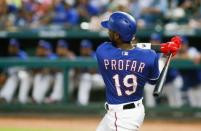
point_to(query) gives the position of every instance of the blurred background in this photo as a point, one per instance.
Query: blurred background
(48, 64)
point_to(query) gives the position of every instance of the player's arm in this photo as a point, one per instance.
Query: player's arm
(154, 71)
(155, 47)
(165, 48)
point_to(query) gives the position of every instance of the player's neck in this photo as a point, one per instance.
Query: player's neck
(125, 46)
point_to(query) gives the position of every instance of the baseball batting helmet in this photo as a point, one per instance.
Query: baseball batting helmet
(122, 23)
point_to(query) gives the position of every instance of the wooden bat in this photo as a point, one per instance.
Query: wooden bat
(161, 80)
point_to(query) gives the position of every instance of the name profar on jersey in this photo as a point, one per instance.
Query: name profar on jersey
(128, 65)
(125, 72)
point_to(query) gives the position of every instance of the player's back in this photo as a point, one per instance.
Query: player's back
(125, 72)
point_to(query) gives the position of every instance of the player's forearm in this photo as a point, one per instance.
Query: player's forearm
(155, 47)
(164, 48)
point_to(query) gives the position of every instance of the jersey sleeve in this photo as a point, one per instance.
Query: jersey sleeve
(154, 71)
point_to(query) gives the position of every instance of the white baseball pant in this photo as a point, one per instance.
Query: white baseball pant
(9, 88)
(173, 92)
(87, 81)
(25, 86)
(117, 119)
(22, 77)
(41, 85)
(194, 96)
(58, 87)
(57, 92)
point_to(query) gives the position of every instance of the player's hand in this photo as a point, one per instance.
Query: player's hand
(173, 47)
(170, 48)
(177, 40)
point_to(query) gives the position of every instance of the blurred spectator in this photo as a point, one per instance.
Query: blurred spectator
(172, 88)
(70, 13)
(63, 50)
(4, 15)
(195, 22)
(57, 93)
(175, 12)
(118, 5)
(187, 6)
(64, 14)
(151, 11)
(16, 75)
(183, 14)
(135, 8)
(113, 5)
(86, 9)
(14, 3)
(43, 79)
(191, 77)
(89, 78)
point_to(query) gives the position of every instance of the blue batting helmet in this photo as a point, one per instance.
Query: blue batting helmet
(86, 44)
(156, 37)
(62, 43)
(14, 42)
(44, 44)
(122, 23)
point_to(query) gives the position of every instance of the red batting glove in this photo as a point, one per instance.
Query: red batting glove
(169, 47)
(165, 49)
(173, 48)
(177, 40)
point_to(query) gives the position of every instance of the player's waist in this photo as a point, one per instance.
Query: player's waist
(124, 106)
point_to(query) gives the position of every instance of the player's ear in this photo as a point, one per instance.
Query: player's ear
(116, 36)
(133, 41)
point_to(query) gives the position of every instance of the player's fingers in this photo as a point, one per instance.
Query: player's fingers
(173, 44)
(174, 50)
(177, 40)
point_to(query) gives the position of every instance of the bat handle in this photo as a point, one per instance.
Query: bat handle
(161, 80)
(168, 60)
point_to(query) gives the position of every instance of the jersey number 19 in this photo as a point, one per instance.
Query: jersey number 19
(126, 83)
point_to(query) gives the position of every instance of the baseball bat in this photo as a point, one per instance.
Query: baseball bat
(161, 80)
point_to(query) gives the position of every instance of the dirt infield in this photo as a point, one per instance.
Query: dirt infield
(86, 124)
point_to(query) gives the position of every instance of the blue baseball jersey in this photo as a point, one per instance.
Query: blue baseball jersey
(125, 72)
(21, 55)
(52, 56)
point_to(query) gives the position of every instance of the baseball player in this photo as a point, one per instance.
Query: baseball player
(125, 70)
(16, 75)
(62, 51)
(89, 78)
(43, 78)
(172, 88)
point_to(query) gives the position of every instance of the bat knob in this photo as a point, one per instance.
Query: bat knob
(155, 94)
